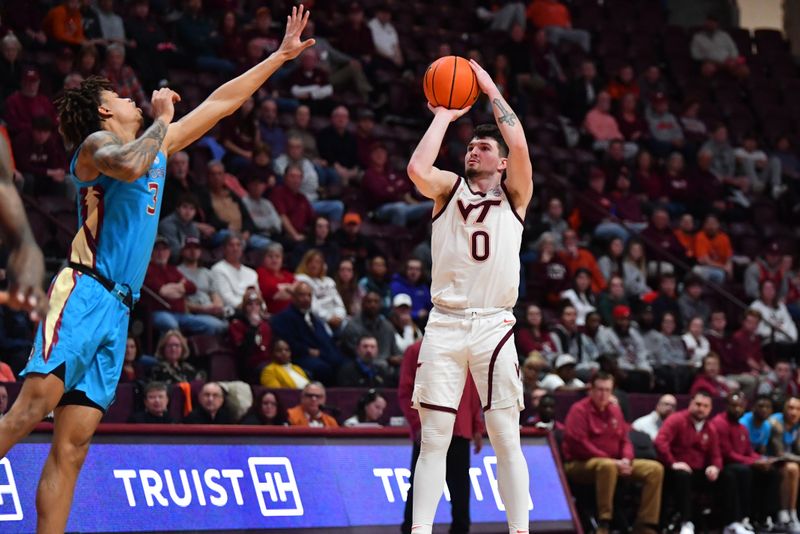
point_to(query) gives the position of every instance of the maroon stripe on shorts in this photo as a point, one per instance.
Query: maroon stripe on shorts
(437, 407)
(491, 366)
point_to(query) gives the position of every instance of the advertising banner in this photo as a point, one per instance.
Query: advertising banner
(129, 487)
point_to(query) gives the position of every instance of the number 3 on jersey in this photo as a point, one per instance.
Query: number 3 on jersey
(479, 245)
(153, 187)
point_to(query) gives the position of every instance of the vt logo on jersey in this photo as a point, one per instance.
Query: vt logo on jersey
(485, 206)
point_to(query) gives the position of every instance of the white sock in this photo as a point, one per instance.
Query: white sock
(793, 513)
(783, 516)
(429, 475)
(512, 470)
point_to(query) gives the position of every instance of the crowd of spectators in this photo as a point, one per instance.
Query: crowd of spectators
(657, 248)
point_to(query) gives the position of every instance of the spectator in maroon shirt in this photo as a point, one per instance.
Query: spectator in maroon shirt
(747, 344)
(646, 180)
(688, 447)
(310, 84)
(468, 427)
(754, 475)
(389, 192)
(593, 204)
(629, 120)
(675, 187)
(660, 240)
(365, 139)
(710, 380)
(625, 205)
(251, 336)
(597, 451)
(534, 336)
(292, 205)
(548, 276)
(169, 310)
(275, 282)
(40, 158)
(708, 190)
(734, 364)
(23, 105)
(354, 37)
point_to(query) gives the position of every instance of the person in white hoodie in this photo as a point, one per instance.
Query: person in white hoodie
(777, 329)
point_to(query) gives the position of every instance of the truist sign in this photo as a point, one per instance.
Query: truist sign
(128, 487)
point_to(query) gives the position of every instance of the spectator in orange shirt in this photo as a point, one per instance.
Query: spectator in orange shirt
(713, 251)
(309, 411)
(576, 258)
(554, 17)
(64, 23)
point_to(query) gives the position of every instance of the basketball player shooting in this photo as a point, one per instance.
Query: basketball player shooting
(476, 236)
(25, 269)
(80, 344)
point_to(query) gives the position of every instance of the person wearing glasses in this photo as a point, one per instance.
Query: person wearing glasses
(309, 411)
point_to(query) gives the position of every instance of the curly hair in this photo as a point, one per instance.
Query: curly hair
(77, 110)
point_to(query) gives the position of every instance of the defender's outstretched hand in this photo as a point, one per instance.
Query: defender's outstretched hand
(453, 114)
(292, 46)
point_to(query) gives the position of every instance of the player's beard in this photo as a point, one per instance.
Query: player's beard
(472, 172)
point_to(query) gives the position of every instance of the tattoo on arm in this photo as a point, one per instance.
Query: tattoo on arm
(129, 160)
(507, 116)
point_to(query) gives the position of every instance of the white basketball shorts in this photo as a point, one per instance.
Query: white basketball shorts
(479, 340)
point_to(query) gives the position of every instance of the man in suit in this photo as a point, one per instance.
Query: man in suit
(312, 347)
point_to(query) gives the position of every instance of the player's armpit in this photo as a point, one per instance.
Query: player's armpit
(107, 154)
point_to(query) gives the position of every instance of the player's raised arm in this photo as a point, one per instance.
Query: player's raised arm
(432, 182)
(519, 172)
(25, 263)
(230, 96)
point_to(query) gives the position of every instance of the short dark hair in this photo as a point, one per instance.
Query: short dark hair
(188, 198)
(491, 131)
(155, 386)
(601, 375)
(77, 110)
(702, 393)
(762, 396)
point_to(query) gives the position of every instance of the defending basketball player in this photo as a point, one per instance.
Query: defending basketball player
(25, 269)
(476, 236)
(79, 347)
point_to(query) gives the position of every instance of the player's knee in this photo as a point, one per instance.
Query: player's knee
(791, 468)
(70, 454)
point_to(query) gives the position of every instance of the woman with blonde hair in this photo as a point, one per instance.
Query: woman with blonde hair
(327, 304)
(172, 367)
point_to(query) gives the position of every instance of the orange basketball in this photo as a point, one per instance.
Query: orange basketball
(450, 82)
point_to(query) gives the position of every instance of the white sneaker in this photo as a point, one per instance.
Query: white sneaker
(793, 527)
(747, 525)
(687, 528)
(736, 528)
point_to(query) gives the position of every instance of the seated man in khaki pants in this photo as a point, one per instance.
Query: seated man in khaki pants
(597, 450)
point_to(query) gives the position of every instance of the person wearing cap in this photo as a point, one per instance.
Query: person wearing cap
(353, 244)
(40, 158)
(206, 300)
(179, 225)
(715, 49)
(169, 311)
(23, 105)
(406, 332)
(597, 450)
(625, 342)
(390, 193)
(64, 23)
(768, 266)
(564, 378)
(665, 130)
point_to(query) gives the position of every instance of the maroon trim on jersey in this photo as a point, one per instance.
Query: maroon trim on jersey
(474, 192)
(449, 198)
(510, 202)
(491, 367)
(437, 408)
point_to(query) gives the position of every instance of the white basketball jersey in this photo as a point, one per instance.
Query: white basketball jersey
(475, 245)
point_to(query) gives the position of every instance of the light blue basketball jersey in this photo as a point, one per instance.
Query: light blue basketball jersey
(117, 223)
